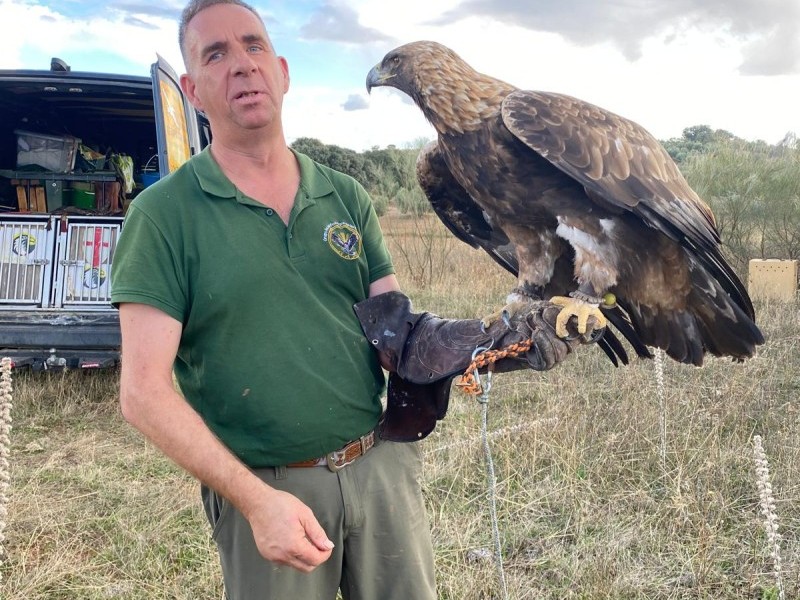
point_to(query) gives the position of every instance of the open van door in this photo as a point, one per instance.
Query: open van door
(176, 120)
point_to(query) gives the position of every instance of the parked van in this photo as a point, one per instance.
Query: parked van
(75, 149)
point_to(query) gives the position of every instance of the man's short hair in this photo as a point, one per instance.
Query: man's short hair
(194, 7)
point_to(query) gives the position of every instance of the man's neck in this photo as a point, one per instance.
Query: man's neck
(266, 158)
(269, 173)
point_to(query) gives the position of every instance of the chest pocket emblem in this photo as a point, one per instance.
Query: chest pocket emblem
(344, 239)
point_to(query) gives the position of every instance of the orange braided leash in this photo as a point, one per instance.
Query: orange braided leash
(468, 383)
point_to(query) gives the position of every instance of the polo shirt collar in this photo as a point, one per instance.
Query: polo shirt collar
(210, 176)
(313, 184)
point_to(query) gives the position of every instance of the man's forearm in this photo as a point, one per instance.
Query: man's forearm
(284, 529)
(171, 424)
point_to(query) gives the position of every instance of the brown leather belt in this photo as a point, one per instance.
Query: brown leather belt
(338, 459)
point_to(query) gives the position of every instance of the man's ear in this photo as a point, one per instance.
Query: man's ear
(285, 70)
(188, 88)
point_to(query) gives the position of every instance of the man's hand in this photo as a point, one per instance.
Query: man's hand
(285, 529)
(287, 532)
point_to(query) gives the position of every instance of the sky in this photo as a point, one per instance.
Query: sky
(666, 64)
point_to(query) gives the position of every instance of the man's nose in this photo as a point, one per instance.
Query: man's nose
(243, 63)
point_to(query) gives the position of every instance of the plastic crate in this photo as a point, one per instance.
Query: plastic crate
(51, 152)
(80, 198)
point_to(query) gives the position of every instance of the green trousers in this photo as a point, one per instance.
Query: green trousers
(373, 512)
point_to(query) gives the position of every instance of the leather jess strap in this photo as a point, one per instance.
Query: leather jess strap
(338, 459)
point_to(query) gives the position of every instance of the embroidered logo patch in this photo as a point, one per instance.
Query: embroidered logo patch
(344, 239)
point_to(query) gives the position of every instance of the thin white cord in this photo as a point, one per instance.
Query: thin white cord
(492, 480)
(548, 422)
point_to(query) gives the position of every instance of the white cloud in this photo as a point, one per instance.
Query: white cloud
(690, 78)
(687, 77)
(56, 34)
(355, 102)
(17, 22)
(317, 112)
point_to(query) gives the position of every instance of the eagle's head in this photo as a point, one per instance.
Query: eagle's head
(453, 96)
(412, 65)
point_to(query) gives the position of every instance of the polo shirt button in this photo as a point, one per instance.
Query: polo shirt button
(270, 211)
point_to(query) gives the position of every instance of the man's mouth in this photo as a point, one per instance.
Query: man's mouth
(247, 95)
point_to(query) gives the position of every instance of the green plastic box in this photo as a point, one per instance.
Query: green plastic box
(80, 199)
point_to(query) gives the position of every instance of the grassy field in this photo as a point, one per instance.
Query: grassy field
(608, 485)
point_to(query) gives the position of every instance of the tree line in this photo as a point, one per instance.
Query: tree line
(753, 188)
(388, 174)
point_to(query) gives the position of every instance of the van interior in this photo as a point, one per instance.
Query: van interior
(43, 112)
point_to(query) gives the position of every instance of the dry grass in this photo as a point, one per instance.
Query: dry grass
(587, 509)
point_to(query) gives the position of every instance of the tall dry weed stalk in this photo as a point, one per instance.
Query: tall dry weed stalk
(662, 408)
(768, 510)
(5, 448)
(423, 245)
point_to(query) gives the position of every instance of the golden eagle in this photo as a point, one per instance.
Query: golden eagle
(585, 207)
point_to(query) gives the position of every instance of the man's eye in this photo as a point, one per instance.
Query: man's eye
(254, 49)
(215, 56)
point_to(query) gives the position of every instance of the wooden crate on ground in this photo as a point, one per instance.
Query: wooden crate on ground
(773, 279)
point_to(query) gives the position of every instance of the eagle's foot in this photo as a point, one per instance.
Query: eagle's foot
(586, 312)
(518, 303)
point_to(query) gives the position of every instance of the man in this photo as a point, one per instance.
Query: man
(240, 271)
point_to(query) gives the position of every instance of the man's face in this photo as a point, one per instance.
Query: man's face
(234, 76)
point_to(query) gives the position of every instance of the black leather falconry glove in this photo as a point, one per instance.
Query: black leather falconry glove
(423, 354)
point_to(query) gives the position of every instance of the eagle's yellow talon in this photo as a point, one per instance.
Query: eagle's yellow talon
(561, 324)
(581, 310)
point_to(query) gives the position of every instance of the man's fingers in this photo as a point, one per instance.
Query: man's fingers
(304, 556)
(312, 550)
(291, 535)
(317, 536)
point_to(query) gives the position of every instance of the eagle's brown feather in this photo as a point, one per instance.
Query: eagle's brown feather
(568, 195)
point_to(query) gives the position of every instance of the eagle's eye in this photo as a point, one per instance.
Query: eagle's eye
(395, 60)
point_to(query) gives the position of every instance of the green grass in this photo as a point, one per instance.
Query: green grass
(587, 509)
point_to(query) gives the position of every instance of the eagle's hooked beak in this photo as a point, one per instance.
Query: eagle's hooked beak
(377, 78)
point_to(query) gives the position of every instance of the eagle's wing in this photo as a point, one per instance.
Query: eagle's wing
(459, 212)
(613, 157)
(622, 167)
(470, 224)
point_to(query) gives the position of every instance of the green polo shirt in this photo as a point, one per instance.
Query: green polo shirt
(271, 354)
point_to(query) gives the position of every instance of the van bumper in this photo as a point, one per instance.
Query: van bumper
(43, 340)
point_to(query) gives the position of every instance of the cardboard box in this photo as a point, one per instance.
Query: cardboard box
(773, 279)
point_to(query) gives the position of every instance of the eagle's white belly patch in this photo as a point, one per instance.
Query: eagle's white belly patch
(596, 258)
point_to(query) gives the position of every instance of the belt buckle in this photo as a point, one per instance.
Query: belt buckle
(367, 442)
(336, 461)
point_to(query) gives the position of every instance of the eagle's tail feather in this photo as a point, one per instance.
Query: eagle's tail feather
(728, 329)
(618, 317)
(686, 341)
(724, 315)
(675, 332)
(613, 348)
(711, 324)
